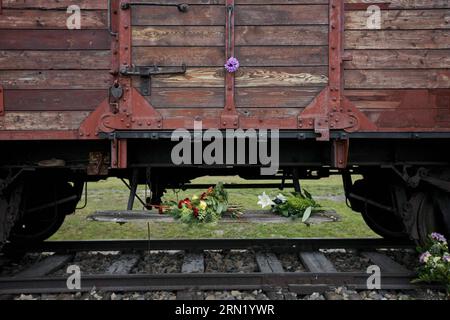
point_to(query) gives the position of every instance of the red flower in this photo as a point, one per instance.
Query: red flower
(203, 197)
(186, 202)
(195, 212)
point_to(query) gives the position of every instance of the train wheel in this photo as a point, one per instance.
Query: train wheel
(384, 223)
(429, 215)
(43, 219)
(10, 209)
(375, 211)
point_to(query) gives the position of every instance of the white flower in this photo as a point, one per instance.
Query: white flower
(265, 201)
(282, 198)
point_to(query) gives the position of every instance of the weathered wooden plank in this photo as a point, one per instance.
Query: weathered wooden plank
(215, 56)
(282, 35)
(267, 97)
(179, 36)
(405, 99)
(55, 79)
(385, 263)
(405, 118)
(282, 76)
(53, 100)
(124, 265)
(316, 262)
(45, 267)
(244, 112)
(54, 40)
(57, 60)
(52, 4)
(282, 56)
(249, 117)
(400, 4)
(397, 79)
(245, 15)
(277, 98)
(70, 120)
(245, 77)
(214, 35)
(401, 19)
(397, 39)
(45, 19)
(187, 97)
(176, 56)
(211, 15)
(281, 15)
(268, 263)
(272, 2)
(398, 59)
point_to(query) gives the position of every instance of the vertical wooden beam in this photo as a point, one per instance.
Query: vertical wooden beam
(336, 52)
(113, 28)
(125, 35)
(229, 117)
(2, 101)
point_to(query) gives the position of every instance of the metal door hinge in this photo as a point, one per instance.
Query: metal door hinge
(182, 7)
(146, 72)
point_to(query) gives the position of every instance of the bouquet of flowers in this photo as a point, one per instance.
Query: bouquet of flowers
(208, 207)
(295, 205)
(435, 261)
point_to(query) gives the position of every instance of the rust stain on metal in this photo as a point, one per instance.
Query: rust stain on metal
(340, 153)
(119, 154)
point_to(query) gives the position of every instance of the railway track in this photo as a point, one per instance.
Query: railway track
(194, 274)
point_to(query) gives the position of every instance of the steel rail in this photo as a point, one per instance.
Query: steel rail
(295, 282)
(297, 244)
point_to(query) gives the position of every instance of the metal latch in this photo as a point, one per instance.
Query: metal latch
(182, 7)
(146, 72)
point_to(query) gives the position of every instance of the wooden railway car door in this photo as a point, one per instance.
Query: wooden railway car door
(169, 58)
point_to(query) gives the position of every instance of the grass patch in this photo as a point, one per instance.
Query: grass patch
(112, 195)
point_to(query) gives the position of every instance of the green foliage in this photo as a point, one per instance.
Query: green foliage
(297, 205)
(435, 262)
(206, 208)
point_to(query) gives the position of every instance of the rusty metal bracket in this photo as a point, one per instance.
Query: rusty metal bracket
(340, 153)
(146, 73)
(182, 7)
(331, 110)
(229, 118)
(2, 101)
(119, 154)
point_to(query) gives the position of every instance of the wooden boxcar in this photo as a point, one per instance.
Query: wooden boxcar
(355, 87)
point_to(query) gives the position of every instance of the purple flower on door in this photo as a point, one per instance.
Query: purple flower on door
(232, 65)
